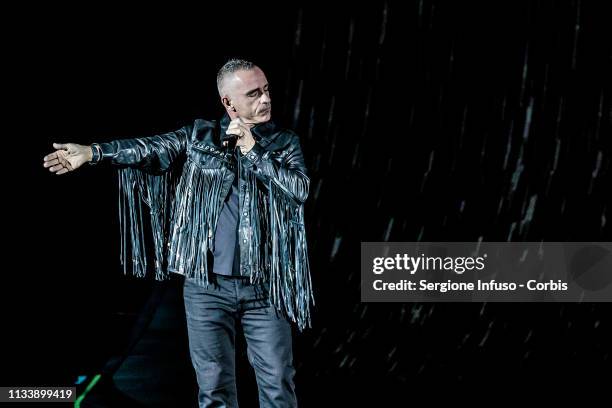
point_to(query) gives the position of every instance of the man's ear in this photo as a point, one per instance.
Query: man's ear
(227, 103)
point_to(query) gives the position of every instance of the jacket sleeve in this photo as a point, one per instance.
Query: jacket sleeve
(153, 154)
(289, 175)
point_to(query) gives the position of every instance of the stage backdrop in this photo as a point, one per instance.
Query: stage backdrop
(420, 121)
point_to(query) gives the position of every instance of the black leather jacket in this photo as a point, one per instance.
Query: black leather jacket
(184, 176)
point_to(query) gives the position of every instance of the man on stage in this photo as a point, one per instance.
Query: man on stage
(225, 203)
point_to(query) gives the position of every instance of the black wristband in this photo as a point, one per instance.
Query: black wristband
(96, 153)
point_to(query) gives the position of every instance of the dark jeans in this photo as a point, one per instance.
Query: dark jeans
(212, 314)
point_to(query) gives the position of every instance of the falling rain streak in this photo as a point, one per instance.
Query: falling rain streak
(440, 122)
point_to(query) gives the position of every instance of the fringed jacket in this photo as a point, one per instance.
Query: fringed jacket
(183, 178)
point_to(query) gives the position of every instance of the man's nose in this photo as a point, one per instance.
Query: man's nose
(265, 98)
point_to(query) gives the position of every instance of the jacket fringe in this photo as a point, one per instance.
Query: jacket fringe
(157, 193)
(277, 249)
(282, 259)
(290, 283)
(194, 221)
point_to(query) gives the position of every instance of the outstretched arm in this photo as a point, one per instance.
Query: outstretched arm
(153, 154)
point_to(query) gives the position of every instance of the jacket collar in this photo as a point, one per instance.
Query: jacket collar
(264, 133)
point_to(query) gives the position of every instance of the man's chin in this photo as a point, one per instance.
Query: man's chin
(264, 117)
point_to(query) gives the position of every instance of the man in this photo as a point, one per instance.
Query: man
(229, 219)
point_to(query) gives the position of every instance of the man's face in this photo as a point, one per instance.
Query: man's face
(247, 92)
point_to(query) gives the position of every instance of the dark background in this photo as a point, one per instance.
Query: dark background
(420, 121)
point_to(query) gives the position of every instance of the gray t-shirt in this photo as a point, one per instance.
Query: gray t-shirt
(226, 253)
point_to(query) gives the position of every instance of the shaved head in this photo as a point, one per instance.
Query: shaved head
(230, 67)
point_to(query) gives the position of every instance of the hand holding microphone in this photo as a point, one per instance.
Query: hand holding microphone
(239, 134)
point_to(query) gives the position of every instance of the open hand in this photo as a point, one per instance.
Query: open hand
(67, 157)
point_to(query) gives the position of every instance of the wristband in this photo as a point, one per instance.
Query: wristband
(96, 153)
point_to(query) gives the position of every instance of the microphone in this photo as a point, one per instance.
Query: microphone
(229, 141)
(229, 145)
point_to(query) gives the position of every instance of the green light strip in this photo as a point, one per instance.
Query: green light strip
(92, 383)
